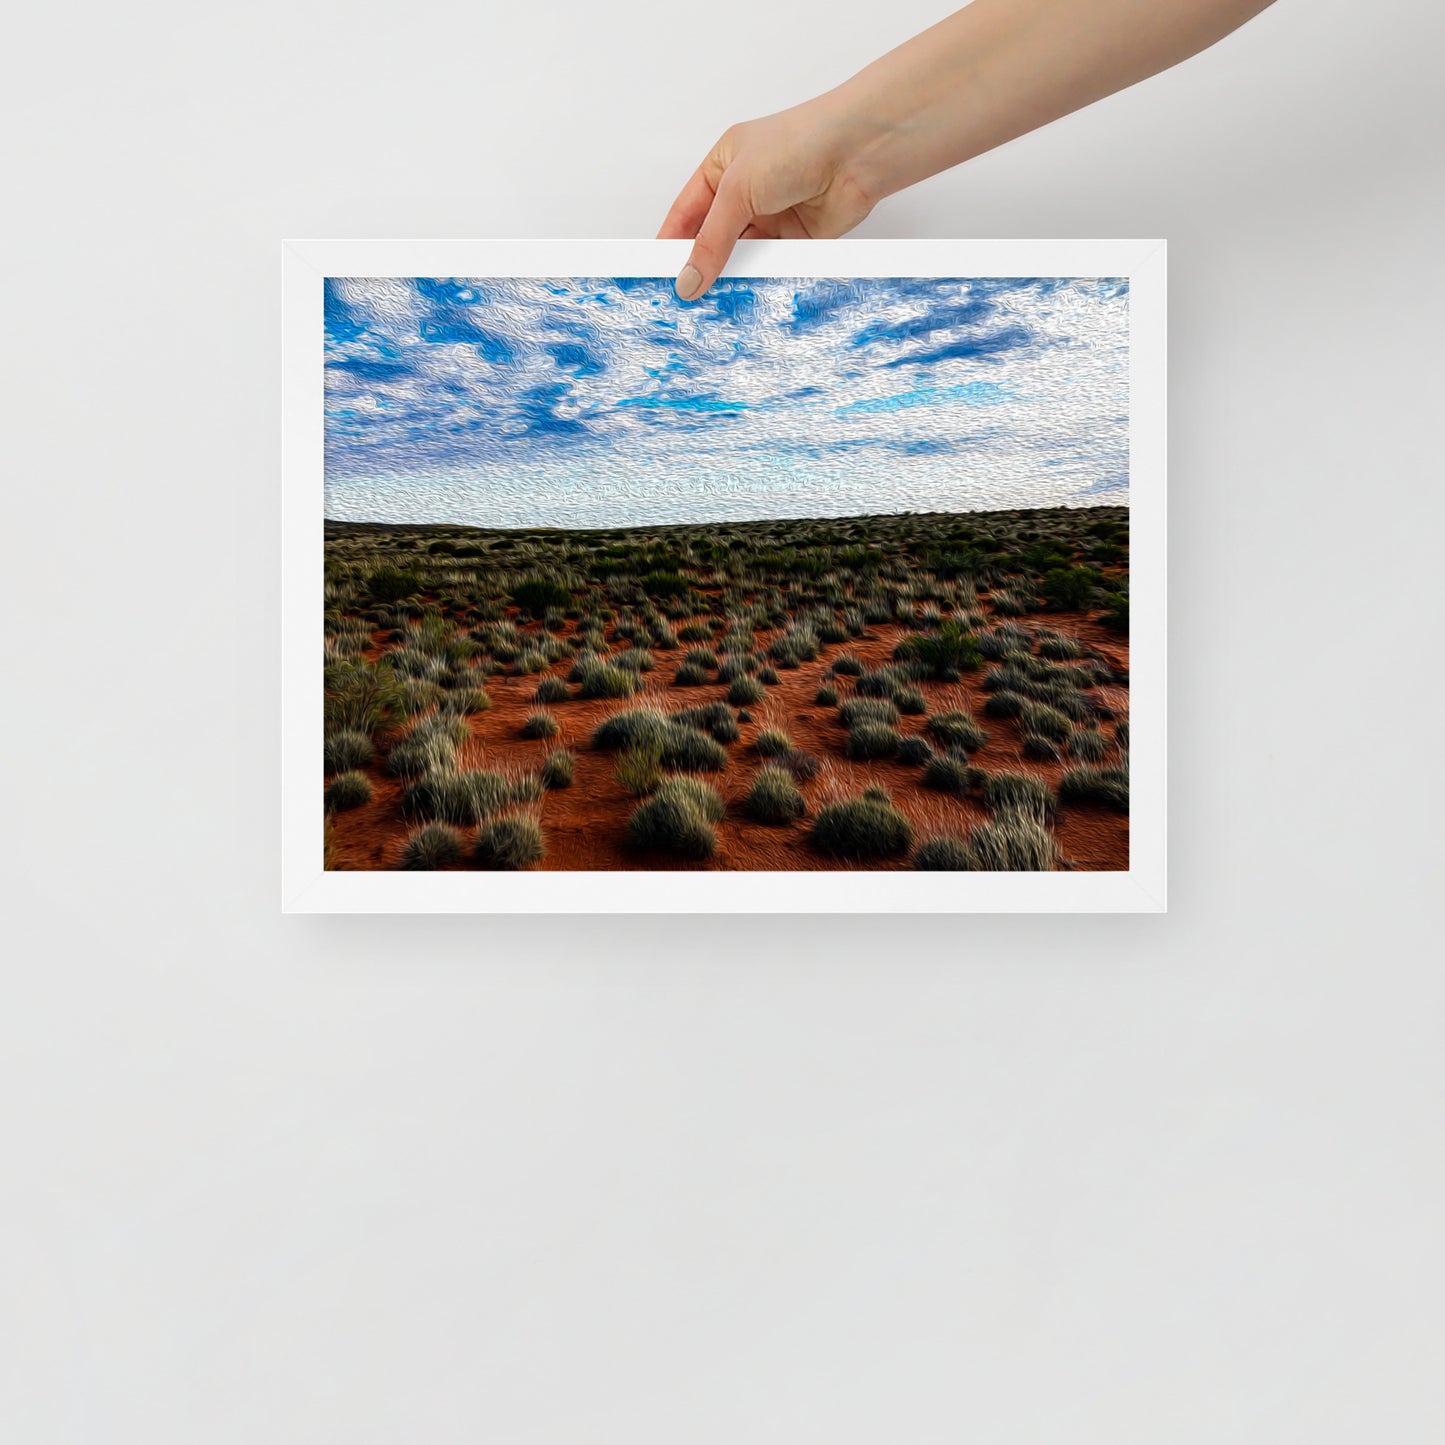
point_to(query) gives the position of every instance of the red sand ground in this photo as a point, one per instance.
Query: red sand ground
(586, 824)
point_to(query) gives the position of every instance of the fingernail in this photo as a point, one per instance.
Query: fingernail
(689, 282)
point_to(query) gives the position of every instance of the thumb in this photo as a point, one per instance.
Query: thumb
(728, 217)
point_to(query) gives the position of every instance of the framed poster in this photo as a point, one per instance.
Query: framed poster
(813, 594)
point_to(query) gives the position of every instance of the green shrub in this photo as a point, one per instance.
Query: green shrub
(1107, 787)
(1116, 616)
(551, 689)
(432, 846)
(868, 740)
(390, 585)
(347, 790)
(862, 829)
(957, 730)
(510, 842)
(557, 769)
(945, 653)
(537, 594)
(665, 584)
(540, 725)
(745, 690)
(347, 749)
(774, 796)
(1071, 588)
(690, 675)
(846, 665)
(679, 819)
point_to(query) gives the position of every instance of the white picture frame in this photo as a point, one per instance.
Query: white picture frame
(307, 887)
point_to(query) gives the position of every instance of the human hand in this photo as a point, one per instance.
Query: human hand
(791, 175)
(993, 71)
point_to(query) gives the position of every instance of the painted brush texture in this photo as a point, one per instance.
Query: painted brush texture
(607, 402)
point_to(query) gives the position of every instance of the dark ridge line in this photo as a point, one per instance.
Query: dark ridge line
(1008, 512)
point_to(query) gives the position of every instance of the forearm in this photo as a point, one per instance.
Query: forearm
(1000, 68)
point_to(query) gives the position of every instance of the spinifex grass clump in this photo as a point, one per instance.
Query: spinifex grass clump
(714, 718)
(826, 696)
(510, 842)
(551, 689)
(957, 729)
(639, 767)
(467, 795)
(464, 701)
(679, 819)
(1012, 842)
(1088, 745)
(609, 681)
(347, 790)
(745, 690)
(540, 725)
(862, 829)
(432, 846)
(558, 768)
(868, 740)
(914, 750)
(881, 711)
(773, 743)
(1045, 721)
(1039, 749)
(943, 854)
(1107, 787)
(1058, 646)
(1018, 792)
(774, 797)
(432, 743)
(680, 744)
(346, 750)
(952, 773)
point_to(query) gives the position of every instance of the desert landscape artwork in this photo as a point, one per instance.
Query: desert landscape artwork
(808, 574)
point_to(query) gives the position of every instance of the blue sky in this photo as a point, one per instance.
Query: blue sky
(596, 402)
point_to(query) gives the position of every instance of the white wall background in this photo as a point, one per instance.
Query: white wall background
(1051, 1181)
